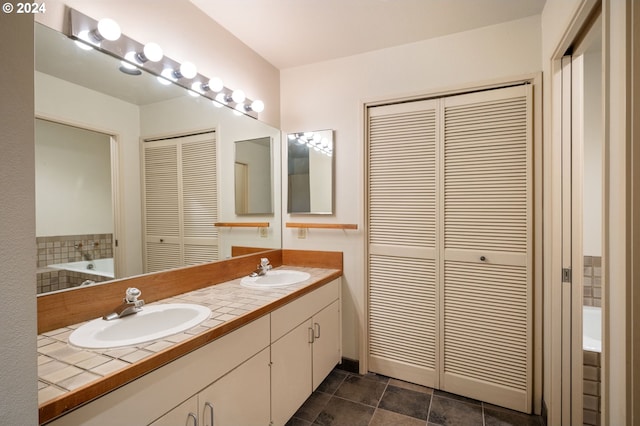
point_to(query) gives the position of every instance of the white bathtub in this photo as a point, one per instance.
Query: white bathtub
(102, 267)
(592, 329)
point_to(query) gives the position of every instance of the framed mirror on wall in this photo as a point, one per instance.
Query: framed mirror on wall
(310, 162)
(89, 91)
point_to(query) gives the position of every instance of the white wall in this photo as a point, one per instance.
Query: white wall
(58, 100)
(330, 95)
(73, 181)
(18, 373)
(186, 34)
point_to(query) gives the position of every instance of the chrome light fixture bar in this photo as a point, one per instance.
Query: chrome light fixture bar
(150, 58)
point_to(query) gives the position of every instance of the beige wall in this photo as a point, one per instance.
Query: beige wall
(331, 95)
(185, 34)
(18, 392)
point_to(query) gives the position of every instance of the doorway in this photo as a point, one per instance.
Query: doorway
(76, 205)
(583, 231)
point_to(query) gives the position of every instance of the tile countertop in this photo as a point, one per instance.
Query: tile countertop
(63, 369)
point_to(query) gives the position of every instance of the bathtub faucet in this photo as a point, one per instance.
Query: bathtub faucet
(130, 305)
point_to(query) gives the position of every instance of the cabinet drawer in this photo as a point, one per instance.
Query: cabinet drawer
(292, 314)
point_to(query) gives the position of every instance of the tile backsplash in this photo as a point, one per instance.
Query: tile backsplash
(69, 248)
(592, 281)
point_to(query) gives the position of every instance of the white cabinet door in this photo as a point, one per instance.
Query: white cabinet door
(184, 414)
(241, 398)
(291, 372)
(326, 345)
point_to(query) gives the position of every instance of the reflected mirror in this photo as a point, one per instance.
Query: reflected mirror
(253, 177)
(89, 207)
(310, 172)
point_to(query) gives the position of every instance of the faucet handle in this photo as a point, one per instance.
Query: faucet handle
(264, 261)
(132, 294)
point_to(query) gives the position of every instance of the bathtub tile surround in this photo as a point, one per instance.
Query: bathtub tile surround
(592, 281)
(591, 388)
(375, 400)
(69, 248)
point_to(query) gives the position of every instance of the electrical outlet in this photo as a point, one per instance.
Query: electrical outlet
(264, 232)
(302, 233)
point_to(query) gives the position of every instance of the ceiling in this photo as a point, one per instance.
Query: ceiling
(290, 33)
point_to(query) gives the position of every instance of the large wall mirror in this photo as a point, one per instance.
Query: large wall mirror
(93, 118)
(310, 172)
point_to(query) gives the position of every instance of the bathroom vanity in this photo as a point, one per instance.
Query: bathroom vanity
(255, 361)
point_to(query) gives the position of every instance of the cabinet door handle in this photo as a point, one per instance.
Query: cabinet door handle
(192, 416)
(316, 326)
(210, 407)
(311, 335)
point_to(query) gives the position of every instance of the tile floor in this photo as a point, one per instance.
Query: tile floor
(347, 399)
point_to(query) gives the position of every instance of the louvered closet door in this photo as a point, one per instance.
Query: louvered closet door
(486, 205)
(402, 241)
(200, 199)
(161, 206)
(180, 201)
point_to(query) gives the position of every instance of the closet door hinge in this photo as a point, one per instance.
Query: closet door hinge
(566, 275)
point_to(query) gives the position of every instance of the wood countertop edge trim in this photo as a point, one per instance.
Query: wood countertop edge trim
(63, 404)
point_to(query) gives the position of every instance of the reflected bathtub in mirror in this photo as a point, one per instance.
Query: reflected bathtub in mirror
(310, 172)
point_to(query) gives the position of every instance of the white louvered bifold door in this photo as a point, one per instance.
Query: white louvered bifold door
(486, 345)
(180, 201)
(200, 199)
(161, 214)
(402, 173)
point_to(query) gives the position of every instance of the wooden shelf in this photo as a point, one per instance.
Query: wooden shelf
(322, 225)
(241, 224)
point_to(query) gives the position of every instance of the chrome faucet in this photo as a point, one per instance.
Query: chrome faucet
(130, 305)
(262, 268)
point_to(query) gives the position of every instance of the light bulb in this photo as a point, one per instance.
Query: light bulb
(109, 29)
(291, 136)
(188, 70)
(240, 108)
(192, 93)
(153, 52)
(257, 106)
(85, 41)
(221, 98)
(308, 135)
(166, 76)
(132, 57)
(197, 87)
(128, 65)
(238, 96)
(216, 104)
(215, 84)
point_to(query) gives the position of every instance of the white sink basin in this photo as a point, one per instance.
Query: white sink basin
(275, 278)
(153, 322)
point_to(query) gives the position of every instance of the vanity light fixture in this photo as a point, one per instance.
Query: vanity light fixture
(90, 33)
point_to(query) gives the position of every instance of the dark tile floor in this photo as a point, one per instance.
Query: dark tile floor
(347, 399)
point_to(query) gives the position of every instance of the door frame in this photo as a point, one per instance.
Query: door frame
(118, 214)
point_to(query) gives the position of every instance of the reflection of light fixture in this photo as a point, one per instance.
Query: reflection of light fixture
(129, 68)
(221, 98)
(313, 140)
(83, 41)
